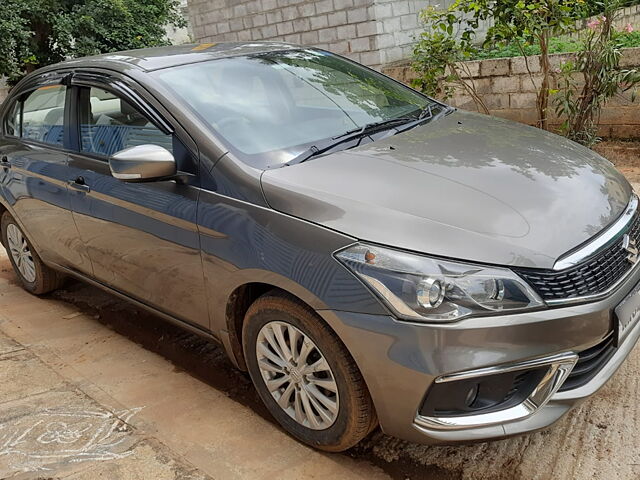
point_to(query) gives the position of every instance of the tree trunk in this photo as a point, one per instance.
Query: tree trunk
(542, 103)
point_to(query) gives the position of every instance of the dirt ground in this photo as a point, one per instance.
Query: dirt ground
(91, 387)
(624, 155)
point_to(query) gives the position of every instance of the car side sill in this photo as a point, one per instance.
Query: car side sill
(165, 316)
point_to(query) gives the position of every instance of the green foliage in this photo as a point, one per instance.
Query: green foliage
(438, 54)
(593, 78)
(450, 37)
(40, 32)
(520, 46)
(525, 28)
(533, 19)
(556, 45)
(628, 40)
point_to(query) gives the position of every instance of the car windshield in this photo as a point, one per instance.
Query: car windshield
(282, 102)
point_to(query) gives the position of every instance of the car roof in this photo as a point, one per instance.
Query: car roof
(155, 58)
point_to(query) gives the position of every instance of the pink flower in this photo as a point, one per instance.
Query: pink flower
(628, 28)
(593, 24)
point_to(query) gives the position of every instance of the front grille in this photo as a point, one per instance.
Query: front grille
(591, 277)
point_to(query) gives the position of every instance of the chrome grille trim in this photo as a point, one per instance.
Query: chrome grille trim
(602, 241)
(602, 267)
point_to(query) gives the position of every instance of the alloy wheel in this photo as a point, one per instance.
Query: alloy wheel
(297, 375)
(21, 254)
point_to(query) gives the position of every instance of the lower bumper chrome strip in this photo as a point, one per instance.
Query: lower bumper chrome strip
(559, 368)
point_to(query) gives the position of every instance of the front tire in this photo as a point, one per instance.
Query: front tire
(34, 275)
(305, 376)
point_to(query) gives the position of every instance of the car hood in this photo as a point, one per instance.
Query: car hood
(466, 186)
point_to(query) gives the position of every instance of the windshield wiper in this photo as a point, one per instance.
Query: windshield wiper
(356, 133)
(375, 126)
(426, 114)
(400, 124)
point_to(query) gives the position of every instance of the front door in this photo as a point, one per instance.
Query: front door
(34, 174)
(142, 238)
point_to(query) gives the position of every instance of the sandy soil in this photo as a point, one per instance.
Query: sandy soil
(624, 155)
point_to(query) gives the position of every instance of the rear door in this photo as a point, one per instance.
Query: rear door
(34, 172)
(142, 238)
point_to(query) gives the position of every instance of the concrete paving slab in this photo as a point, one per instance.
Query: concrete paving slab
(22, 375)
(53, 430)
(8, 345)
(146, 461)
(63, 433)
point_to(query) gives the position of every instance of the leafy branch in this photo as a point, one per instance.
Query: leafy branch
(40, 32)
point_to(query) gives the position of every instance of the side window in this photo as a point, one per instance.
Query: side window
(12, 120)
(43, 115)
(109, 124)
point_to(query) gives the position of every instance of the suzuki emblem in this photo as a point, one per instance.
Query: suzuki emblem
(630, 246)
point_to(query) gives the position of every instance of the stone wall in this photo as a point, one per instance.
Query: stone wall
(373, 32)
(179, 36)
(346, 28)
(623, 17)
(507, 90)
(398, 25)
(628, 16)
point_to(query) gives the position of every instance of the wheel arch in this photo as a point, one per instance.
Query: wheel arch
(4, 207)
(239, 301)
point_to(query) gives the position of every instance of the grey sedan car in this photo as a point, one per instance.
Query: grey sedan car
(369, 255)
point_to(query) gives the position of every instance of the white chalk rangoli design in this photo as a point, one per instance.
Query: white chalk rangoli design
(57, 436)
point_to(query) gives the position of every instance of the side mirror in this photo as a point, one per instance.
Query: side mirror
(142, 162)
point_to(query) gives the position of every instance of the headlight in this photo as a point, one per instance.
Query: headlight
(428, 289)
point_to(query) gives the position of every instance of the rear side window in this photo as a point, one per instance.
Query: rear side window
(43, 115)
(109, 124)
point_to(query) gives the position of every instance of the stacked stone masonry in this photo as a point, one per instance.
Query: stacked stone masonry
(507, 89)
(373, 32)
(623, 18)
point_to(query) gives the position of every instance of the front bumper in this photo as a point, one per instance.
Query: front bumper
(400, 361)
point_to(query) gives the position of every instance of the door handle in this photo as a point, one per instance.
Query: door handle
(4, 162)
(79, 183)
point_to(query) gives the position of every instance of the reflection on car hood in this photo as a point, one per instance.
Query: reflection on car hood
(467, 186)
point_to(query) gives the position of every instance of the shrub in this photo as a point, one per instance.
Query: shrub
(593, 78)
(526, 28)
(439, 56)
(450, 36)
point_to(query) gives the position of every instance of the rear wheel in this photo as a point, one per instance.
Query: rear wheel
(305, 376)
(34, 275)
